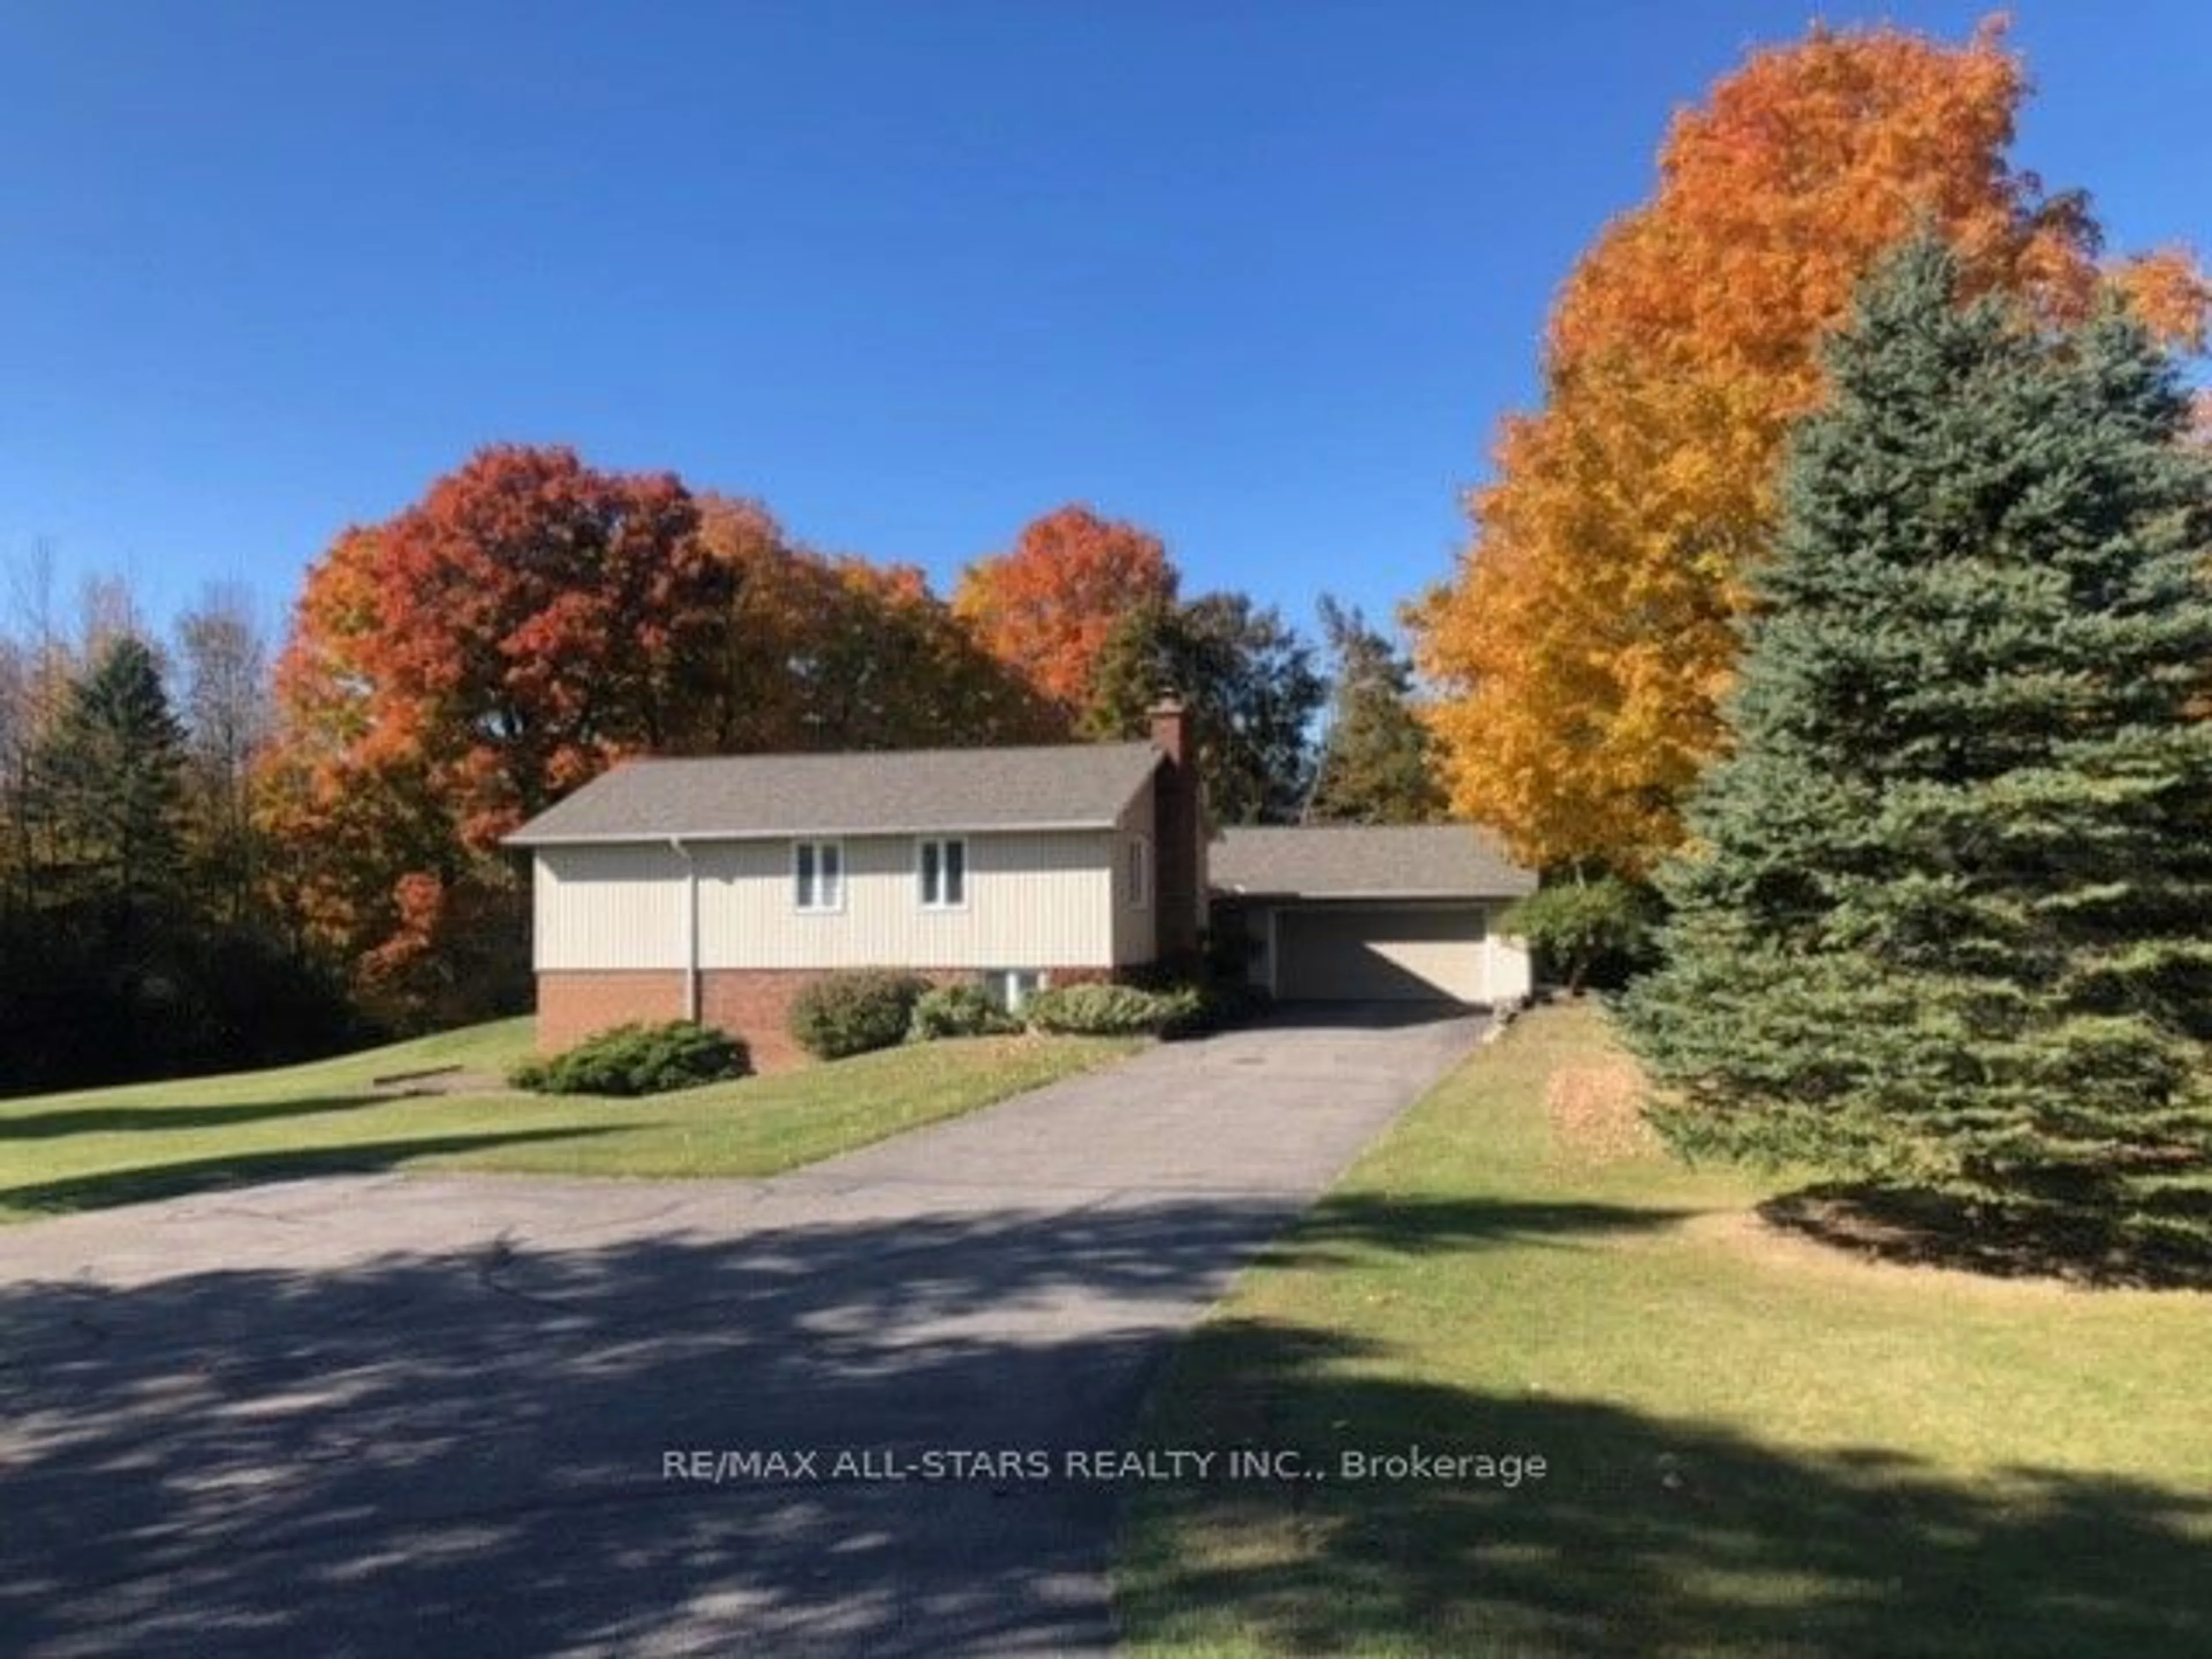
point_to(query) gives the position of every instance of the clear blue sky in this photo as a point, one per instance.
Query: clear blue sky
(1260, 274)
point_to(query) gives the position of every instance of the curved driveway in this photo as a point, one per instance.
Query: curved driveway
(398, 1415)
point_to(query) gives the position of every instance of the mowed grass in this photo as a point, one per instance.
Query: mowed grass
(1754, 1447)
(86, 1151)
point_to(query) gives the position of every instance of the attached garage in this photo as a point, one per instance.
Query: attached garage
(1362, 953)
(1372, 913)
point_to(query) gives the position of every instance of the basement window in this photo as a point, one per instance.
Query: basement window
(1010, 987)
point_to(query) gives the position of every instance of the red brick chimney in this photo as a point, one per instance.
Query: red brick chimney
(1171, 728)
(1178, 836)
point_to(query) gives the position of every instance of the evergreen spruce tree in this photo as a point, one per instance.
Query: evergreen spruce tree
(109, 779)
(1945, 920)
(1376, 766)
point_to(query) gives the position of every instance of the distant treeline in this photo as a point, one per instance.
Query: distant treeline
(222, 854)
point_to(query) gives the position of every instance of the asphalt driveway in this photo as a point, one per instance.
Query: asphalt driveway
(389, 1415)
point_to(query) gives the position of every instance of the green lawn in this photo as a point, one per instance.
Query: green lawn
(85, 1151)
(1754, 1446)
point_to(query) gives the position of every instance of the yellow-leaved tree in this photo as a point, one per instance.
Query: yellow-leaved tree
(1583, 642)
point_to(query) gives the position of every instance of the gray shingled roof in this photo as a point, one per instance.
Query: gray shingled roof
(1440, 861)
(1067, 787)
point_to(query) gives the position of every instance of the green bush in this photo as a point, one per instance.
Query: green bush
(1102, 1010)
(1581, 931)
(637, 1060)
(1212, 993)
(850, 1014)
(958, 1011)
(1215, 1005)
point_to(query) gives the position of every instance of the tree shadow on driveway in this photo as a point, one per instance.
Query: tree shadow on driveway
(144, 1183)
(471, 1452)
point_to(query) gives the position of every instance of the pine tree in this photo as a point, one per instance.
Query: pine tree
(1376, 765)
(1945, 919)
(109, 783)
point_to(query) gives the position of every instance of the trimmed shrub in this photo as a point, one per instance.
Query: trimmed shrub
(850, 1014)
(1214, 994)
(638, 1060)
(1102, 1010)
(958, 1011)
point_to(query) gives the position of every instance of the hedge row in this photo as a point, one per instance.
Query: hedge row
(850, 1014)
(853, 1014)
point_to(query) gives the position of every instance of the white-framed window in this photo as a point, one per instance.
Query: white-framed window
(817, 875)
(1010, 987)
(1137, 874)
(940, 870)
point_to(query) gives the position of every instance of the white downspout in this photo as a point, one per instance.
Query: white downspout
(691, 929)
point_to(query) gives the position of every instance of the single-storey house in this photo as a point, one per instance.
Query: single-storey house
(715, 888)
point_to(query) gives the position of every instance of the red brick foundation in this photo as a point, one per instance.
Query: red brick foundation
(571, 1006)
(754, 1004)
(751, 1003)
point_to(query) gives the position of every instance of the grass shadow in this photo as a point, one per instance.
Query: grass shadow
(1933, 1229)
(1431, 1226)
(136, 1120)
(1643, 1536)
(106, 1188)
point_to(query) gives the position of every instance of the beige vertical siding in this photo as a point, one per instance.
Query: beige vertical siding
(1032, 901)
(1043, 900)
(608, 908)
(1134, 927)
(1506, 974)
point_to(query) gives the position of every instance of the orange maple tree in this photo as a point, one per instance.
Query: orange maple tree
(1589, 630)
(528, 622)
(837, 651)
(1045, 606)
(457, 668)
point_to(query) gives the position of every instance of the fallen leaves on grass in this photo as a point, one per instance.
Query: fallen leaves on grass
(1597, 1113)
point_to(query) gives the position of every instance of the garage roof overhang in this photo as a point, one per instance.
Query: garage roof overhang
(1423, 863)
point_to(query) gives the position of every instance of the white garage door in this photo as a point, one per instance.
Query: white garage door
(1380, 954)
